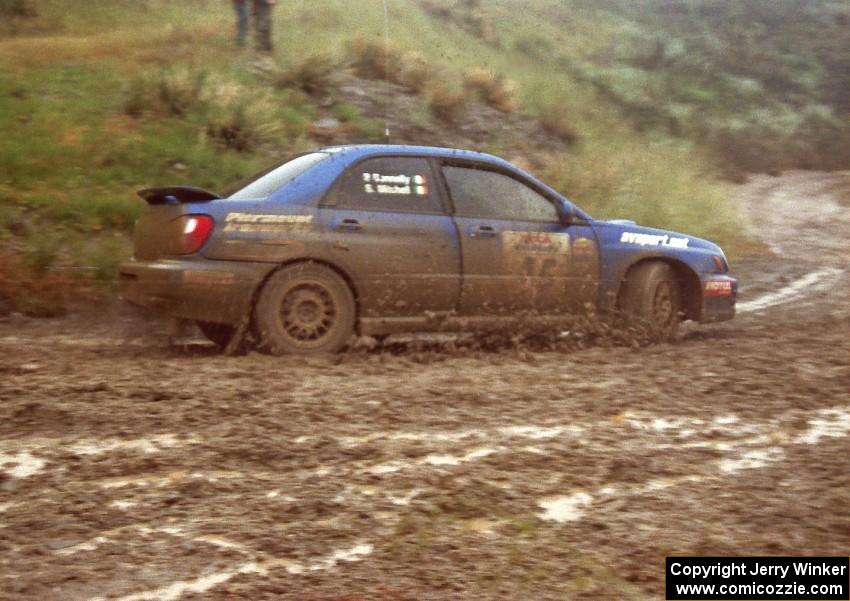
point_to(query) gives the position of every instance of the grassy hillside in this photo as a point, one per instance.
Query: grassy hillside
(763, 84)
(621, 106)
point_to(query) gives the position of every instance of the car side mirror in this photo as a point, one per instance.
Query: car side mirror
(567, 214)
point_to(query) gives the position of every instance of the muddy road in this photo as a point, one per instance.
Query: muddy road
(134, 470)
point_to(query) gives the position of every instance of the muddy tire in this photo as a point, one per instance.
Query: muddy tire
(219, 334)
(652, 299)
(305, 308)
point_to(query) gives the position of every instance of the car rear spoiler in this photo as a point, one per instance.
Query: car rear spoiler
(176, 195)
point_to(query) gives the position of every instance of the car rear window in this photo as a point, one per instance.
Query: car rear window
(269, 181)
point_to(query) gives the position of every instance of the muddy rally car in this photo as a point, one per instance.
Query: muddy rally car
(377, 240)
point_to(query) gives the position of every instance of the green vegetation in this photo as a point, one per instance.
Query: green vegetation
(653, 102)
(763, 84)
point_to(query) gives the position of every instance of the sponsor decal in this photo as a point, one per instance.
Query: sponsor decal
(251, 222)
(536, 242)
(584, 247)
(717, 288)
(536, 257)
(378, 183)
(654, 240)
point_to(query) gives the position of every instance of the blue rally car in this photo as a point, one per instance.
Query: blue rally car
(386, 239)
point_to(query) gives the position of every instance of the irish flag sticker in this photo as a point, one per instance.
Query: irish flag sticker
(420, 185)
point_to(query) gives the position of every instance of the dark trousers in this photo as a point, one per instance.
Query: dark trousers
(261, 11)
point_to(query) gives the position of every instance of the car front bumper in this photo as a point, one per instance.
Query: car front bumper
(719, 294)
(193, 288)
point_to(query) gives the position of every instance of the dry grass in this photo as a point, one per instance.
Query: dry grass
(170, 94)
(239, 118)
(416, 73)
(373, 59)
(481, 27)
(231, 115)
(493, 89)
(446, 104)
(241, 121)
(132, 50)
(313, 75)
(557, 122)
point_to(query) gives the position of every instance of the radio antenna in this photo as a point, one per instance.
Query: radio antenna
(387, 72)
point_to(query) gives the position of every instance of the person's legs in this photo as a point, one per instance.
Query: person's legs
(263, 25)
(242, 16)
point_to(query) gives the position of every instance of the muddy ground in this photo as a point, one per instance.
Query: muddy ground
(130, 469)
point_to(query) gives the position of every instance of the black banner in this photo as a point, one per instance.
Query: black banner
(758, 578)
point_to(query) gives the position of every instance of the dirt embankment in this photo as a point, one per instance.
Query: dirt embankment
(133, 470)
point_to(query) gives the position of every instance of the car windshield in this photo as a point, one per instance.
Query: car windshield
(264, 183)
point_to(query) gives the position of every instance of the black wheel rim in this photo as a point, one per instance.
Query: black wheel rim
(308, 314)
(664, 309)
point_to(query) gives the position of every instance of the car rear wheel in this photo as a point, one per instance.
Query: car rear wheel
(219, 334)
(305, 308)
(653, 298)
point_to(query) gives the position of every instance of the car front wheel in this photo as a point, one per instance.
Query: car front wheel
(305, 308)
(653, 298)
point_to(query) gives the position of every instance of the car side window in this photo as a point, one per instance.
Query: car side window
(488, 194)
(402, 184)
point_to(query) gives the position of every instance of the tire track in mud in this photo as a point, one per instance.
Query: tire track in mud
(751, 444)
(803, 218)
(814, 281)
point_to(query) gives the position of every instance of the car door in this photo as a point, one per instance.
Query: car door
(387, 222)
(516, 253)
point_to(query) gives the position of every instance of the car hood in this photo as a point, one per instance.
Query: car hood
(629, 233)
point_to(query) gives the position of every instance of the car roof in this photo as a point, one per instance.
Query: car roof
(356, 151)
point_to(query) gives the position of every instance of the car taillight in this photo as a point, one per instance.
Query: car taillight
(195, 231)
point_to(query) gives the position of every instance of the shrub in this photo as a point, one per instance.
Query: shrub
(557, 122)
(239, 121)
(415, 72)
(228, 113)
(138, 98)
(481, 27)
(495, 90)
(312, 75)
(446, 104)
(374, 59)
(172, 94)
(179, 92)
